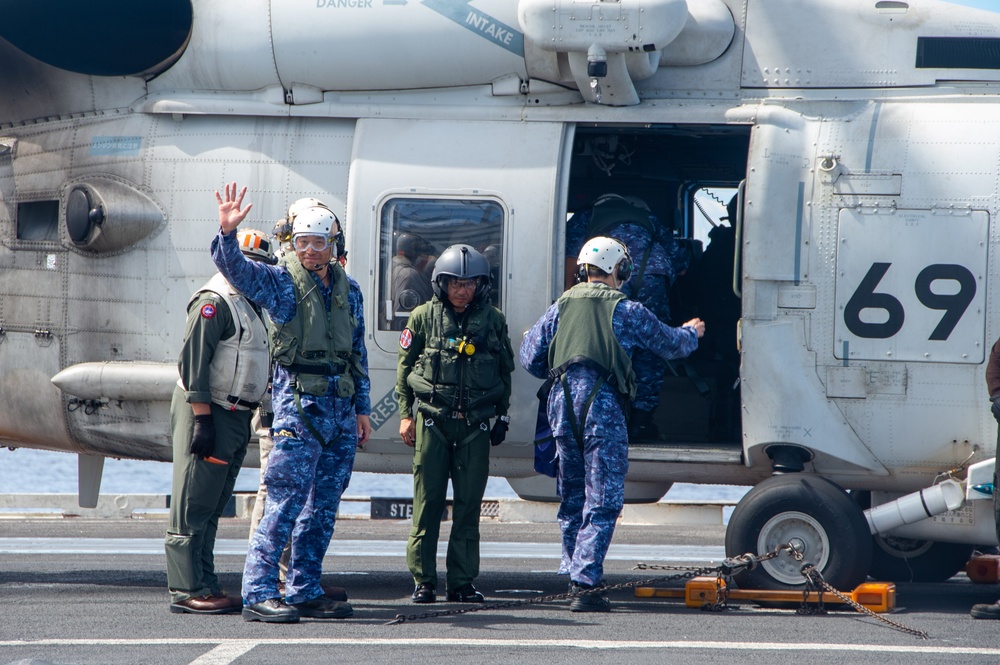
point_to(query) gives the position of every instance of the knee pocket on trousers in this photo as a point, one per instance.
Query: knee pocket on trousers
(613, 469)
(178, 540)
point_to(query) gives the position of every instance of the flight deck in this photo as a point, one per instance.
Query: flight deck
(78, 590)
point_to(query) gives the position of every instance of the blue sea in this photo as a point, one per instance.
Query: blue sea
(24, 471)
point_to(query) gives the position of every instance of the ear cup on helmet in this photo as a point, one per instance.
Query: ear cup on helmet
(581, 273)
(624, 269)
(339, 245)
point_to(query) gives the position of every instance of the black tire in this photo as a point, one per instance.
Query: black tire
(908, 560)
(813, 511)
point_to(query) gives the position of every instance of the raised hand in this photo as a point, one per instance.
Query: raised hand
(230, 214)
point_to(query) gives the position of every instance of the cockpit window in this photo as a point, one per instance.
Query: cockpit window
(414, 232)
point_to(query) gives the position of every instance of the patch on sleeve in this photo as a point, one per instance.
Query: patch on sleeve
(207, 311)
(405, 339)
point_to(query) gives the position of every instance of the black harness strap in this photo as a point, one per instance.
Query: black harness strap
(577, 427)
(436, 431)
(308, 421)
(559, 374)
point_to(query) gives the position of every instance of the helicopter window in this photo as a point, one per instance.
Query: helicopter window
(707, 209)
(414, 232)
(38, 220)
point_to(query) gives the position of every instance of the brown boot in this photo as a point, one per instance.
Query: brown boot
(202, 605)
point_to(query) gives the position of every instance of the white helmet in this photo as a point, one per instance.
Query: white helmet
(283, 228)
(609, 255)
(315, 221)
(301, 204)
(256, 245)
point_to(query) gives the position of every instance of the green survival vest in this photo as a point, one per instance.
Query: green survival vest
(446, 378)
(318, 344)
(585, 334)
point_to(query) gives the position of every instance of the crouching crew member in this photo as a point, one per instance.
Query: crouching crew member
(223, 366)
(455, 362)
(320, 396)
(584, 344)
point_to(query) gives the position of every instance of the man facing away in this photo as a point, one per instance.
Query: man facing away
(453, 375)
(584, 344)
(223, 366)
(320, 397)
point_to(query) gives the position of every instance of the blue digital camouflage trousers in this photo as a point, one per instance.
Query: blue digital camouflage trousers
(649, 368)
(305, 481)
(591, 486)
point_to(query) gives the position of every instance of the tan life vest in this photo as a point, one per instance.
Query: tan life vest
(241, 364)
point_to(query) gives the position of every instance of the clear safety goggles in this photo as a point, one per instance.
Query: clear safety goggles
(457, 284)
(304, 242)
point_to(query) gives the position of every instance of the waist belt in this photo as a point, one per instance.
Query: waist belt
(329, 369)
(455, 415)
(236, 401)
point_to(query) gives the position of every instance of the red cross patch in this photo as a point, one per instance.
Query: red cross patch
(405, 339)
(207, 311)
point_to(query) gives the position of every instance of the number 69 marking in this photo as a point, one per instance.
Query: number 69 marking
(953, 305)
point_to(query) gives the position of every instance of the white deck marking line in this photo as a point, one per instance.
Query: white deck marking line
(947, 649)
(225, 653)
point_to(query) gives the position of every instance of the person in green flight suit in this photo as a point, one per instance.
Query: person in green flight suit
(224, 365)
(453, 376)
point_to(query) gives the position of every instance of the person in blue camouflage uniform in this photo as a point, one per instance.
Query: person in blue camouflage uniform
(659, 259)
(320, 400)
(592, 377)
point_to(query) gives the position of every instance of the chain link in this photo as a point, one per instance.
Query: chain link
(728, 568)
(815, 579)
(723, 582)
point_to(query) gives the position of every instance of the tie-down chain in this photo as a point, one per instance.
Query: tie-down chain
(723, 573)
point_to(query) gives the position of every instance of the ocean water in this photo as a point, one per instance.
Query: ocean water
(25, 471)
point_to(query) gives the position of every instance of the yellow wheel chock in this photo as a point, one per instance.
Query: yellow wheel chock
(876, 596)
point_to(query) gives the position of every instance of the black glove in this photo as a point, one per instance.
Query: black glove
(203, 438)
(499, 432)
(995, 407)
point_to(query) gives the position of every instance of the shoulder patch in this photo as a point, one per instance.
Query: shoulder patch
(405, 339)
(207, 311)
